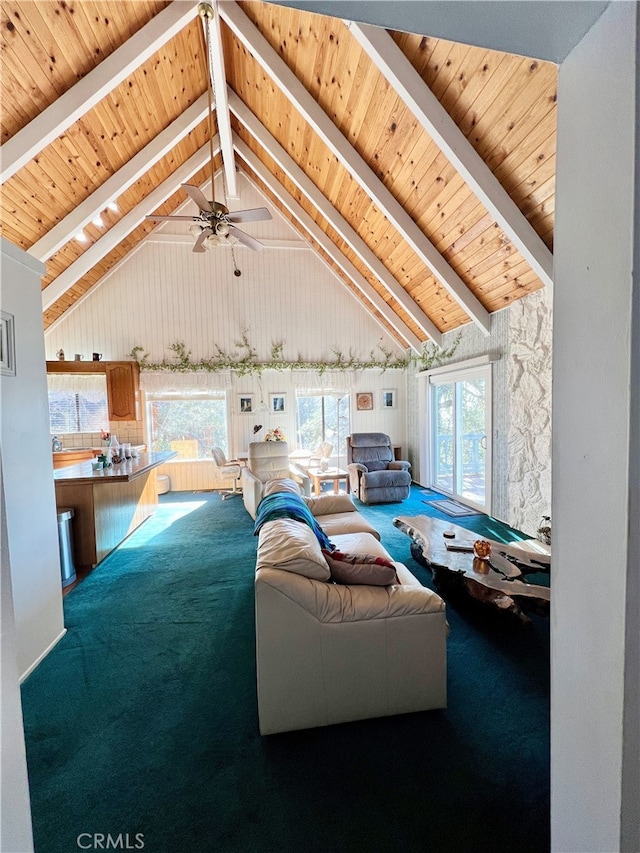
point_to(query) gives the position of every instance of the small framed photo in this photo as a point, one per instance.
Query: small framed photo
(7, 345)
(364, 401)
(245, 404)
(277, 403)
(388, 399)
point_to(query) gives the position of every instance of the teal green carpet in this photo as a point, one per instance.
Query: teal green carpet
(143, 718)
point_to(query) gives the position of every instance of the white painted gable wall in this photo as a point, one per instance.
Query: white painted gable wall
(165, 293)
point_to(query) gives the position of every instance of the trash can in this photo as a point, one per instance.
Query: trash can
(163, 484)
(65, 543)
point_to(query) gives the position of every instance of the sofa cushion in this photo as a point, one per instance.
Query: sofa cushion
(284, 484)
(368, 569)
(293, 547)
(360, 542)
(330, 504)
(287, 505)
(387, 479)
(340, 523)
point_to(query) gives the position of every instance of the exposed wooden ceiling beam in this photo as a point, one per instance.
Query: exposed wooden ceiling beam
(307, 223)
(313, 194)
(428, 110)
(79, 99)
(217, 75)
(303, 101)
(118, 183)
(125, 226)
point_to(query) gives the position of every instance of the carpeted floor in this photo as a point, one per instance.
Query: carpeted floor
(143, 718)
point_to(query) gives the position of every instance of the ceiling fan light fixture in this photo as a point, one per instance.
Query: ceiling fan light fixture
(222, 229)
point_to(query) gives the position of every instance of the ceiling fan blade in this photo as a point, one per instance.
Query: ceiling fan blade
(195, 194)
(198, 246)
(256, 214)
(245, 239)
(172, 218)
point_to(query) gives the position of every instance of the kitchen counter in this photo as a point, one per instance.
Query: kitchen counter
(108, 504)
(125, 471)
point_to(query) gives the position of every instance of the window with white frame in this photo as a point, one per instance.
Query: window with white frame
(322, 417)
(460, 433)
(190, 424)
(77, 402)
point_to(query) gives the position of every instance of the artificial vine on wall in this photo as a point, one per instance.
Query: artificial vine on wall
(245, 361)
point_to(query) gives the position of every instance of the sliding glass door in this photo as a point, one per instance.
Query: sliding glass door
(460, 435)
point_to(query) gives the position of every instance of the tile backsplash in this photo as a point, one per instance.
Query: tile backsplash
(127, 431)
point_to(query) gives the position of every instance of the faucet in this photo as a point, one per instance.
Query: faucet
(56, 444)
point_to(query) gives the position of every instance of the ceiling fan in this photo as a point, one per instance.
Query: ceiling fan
(215, 223)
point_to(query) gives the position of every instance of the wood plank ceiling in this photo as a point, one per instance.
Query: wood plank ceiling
(503, 105)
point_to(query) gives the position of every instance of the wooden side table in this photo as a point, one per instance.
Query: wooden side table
(319, 477)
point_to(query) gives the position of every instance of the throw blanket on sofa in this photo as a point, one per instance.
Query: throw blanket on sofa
(287, 505)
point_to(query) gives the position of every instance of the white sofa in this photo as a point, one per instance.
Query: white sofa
(329, 653)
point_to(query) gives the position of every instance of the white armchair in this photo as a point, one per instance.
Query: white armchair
(269, 460)
(228, 472)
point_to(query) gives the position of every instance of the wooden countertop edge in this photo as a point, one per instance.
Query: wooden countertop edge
(82, 473)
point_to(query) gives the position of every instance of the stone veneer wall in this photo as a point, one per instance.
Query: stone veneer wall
(529, 385)
(520, 343)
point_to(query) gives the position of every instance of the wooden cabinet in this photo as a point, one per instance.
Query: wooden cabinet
(71, 457)
(123, 384)
(122, 390)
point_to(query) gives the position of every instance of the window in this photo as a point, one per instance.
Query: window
(323, 417)
(77, 403)
(189, 424)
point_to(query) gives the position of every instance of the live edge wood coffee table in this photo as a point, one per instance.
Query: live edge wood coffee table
(447, 550)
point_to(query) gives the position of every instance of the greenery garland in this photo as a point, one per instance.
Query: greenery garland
(245, 362)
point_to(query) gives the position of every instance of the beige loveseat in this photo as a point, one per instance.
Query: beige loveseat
(330, 653)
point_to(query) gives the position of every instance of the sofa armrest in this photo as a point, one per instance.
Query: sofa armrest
(301, 478)
(399, 465)
(251, 491)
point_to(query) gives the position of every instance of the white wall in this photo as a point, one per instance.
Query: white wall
(28, 468)
(31, 586)
(15, 809)
(592, 398)
(165, 293)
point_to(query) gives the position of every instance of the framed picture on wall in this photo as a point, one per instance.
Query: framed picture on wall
(7, 345)
(277, 403)
(364, 401)
(388, 399)
(245, 404)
